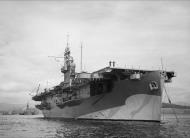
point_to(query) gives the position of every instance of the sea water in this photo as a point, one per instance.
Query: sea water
(35, 126)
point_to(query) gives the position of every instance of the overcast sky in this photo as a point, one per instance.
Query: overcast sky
(133, 33)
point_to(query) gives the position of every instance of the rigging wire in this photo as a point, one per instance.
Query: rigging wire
(33, 91)
(169, 100)
(164, 100)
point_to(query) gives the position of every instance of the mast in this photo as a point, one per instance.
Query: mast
(81, 58)
(67, 40)
(162, 64)
(69, 67)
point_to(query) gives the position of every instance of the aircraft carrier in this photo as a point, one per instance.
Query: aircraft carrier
(110, 93)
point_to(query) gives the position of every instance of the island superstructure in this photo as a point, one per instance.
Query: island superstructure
(110, 93)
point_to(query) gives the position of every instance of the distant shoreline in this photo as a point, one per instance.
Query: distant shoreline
(176, 110)
(166, 109)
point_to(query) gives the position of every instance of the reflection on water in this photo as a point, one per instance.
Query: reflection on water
(38, 127)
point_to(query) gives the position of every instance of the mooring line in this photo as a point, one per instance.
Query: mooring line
(171, 103)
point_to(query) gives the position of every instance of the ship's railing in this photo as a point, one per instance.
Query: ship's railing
(69, 103)
(43, 105)
(42, 95)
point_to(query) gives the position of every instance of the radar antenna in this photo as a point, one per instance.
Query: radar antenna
(57, 57)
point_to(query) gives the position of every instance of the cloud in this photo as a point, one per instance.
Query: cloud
(131, 33)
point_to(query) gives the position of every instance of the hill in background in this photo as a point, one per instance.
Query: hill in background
(6, 108)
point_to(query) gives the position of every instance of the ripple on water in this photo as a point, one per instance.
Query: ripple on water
(37, 127)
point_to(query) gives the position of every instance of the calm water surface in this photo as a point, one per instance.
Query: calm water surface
(17, 126)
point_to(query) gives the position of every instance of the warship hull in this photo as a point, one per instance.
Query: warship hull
(128, 100)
